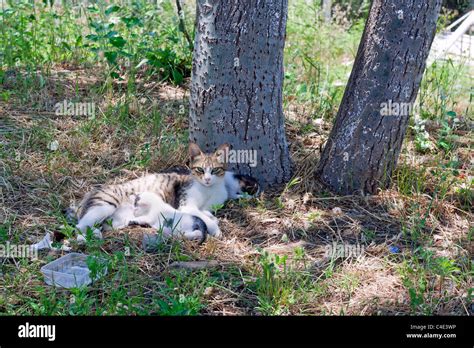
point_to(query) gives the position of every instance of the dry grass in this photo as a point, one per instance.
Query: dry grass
(37, 183)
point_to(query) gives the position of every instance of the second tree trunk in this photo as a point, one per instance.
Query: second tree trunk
(365, 142)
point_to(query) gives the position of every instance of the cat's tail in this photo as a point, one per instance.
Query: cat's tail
(70, 213)
(199, 225)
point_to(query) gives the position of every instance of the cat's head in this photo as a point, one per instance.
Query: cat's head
(208, 168)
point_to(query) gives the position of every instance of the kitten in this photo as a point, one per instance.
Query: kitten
(150, 210)
(188, 194)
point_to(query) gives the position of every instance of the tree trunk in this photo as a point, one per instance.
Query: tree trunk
(364, 144)
(237, 79)
(326, 10)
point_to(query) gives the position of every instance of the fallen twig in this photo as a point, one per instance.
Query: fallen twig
(193, 265)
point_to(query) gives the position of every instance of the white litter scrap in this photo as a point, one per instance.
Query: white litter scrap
(47, 243)
(53, 146)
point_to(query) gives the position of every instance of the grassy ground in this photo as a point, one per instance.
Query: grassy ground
(416, 236)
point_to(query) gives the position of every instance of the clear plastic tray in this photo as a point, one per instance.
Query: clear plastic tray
(69, 271)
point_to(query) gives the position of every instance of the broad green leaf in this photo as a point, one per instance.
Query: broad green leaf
(111, 56)
(112, 9)
(117, 41)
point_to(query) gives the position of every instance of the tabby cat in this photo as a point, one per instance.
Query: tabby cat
(176, 200)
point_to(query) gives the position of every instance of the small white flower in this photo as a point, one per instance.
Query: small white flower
(53, 146)
(126, 155)
(114, 20)
(318, 121)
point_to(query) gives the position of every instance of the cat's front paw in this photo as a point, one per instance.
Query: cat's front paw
(97, 233)
(215, 232)
(81, 239)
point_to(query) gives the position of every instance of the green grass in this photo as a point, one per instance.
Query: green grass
(118, 58)
(317, 60)
(424, 274)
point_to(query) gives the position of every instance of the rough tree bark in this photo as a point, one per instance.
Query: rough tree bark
(326, 10)
(237, 78)
(364, 145)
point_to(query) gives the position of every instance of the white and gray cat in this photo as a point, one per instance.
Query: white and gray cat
(177, 201)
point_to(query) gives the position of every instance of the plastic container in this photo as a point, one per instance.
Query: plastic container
(69, 271)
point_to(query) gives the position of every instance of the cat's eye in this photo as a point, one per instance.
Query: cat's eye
(216, 171)
(198, 170)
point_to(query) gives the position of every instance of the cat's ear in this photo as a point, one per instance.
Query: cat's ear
(194, 151)
(221, 153)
